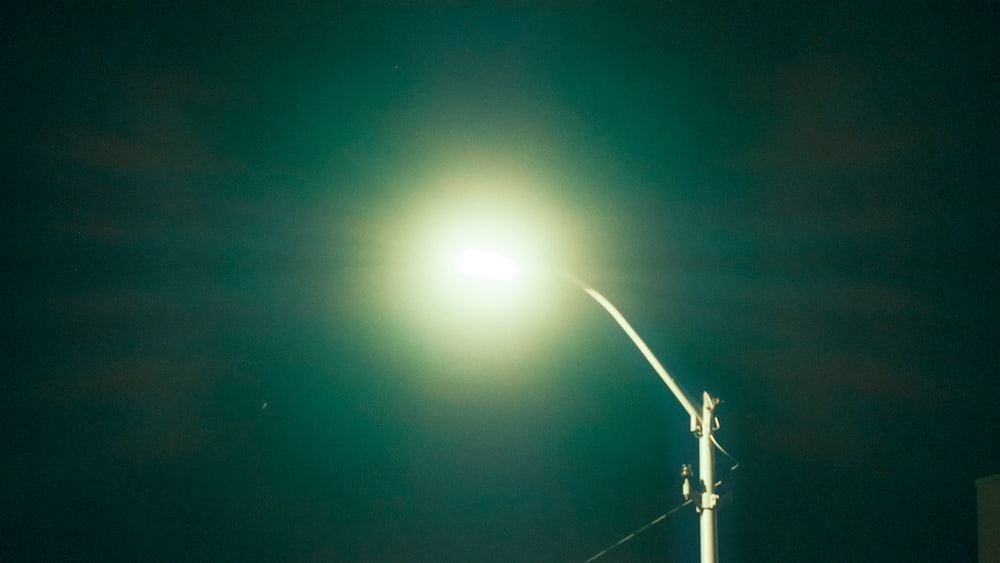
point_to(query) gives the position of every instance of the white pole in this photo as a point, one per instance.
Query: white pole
(706, 473)
(703, 423)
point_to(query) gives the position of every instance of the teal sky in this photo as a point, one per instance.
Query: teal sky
(228, 336)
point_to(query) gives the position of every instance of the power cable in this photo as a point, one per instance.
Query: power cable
(640, 530)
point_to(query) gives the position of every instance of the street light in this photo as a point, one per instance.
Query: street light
(703, 421)
(486, 265)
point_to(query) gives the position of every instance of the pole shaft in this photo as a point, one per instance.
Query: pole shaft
(706, 473)
(703, 421)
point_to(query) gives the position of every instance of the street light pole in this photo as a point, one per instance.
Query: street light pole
(703, 424)
(706, 474)
(703, 421)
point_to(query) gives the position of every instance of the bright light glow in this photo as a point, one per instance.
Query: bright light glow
(485, 265)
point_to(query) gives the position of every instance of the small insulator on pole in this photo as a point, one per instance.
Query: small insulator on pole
(686, 485)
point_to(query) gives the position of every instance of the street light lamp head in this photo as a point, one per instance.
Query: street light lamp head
(486, 265)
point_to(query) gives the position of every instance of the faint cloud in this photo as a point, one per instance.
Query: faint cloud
(144, 367)
(152, 405)
(137, 154)
(834, 407)
(158, 133)
(827, 121)
(156, 408)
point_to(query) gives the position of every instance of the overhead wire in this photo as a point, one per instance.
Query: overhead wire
(638, 531)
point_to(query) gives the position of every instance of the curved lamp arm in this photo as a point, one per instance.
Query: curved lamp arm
(703, 424)
(640, 344)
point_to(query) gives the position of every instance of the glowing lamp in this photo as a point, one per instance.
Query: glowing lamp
(485, 265)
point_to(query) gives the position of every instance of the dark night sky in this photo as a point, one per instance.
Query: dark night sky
(224, 339)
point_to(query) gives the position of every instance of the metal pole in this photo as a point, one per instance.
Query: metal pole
(706, 473)
(702, 423)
